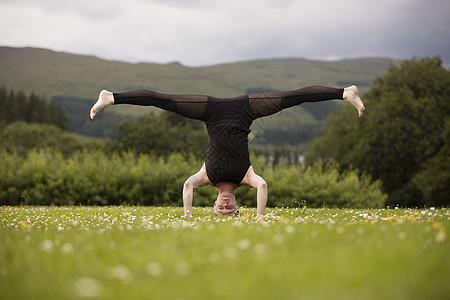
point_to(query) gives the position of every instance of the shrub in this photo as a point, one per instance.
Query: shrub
(316, 186)
(45, 177)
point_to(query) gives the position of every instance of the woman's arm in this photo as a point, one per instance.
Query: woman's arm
(261, 197)
(253, 180)
(197, 180)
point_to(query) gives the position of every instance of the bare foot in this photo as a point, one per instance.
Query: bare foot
(105, 99)
(351, 96)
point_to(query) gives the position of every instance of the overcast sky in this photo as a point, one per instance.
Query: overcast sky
(206, 32)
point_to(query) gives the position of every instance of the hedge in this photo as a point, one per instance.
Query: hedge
(46, 177)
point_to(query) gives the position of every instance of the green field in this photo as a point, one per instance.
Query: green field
(291, 253)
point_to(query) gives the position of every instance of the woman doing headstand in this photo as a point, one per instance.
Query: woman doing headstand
(227, 165)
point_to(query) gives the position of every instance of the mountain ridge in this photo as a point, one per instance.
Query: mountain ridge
(75, 81)
(53, 73)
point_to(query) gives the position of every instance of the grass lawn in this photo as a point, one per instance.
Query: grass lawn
(291, 253)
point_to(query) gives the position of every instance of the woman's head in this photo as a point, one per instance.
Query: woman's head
(226, 205)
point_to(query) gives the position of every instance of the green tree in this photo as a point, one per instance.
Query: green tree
(31, 109)
(57, 116)
(400, 131)
(20, 137)
(434, 179)
(38, 110)
(162, 134)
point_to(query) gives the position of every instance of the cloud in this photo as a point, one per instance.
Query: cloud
(202, 32)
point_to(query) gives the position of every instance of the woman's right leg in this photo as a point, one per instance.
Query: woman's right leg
(190, 106)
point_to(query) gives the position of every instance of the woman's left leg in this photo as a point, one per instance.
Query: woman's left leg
(267, 103)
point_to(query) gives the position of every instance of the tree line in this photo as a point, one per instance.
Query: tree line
(17, 106)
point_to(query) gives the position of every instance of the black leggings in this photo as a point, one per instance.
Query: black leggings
(259, 104)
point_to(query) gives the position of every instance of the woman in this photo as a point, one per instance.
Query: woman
(227, 165)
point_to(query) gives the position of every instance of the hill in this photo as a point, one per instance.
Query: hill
(75, 81)
(58, 73)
